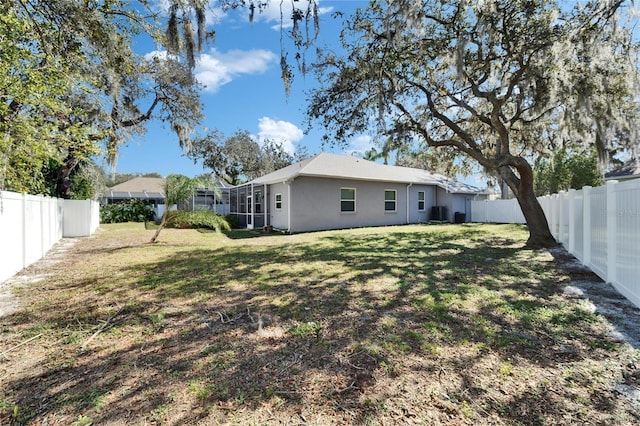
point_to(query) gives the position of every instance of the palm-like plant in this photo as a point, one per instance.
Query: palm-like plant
(177, 189)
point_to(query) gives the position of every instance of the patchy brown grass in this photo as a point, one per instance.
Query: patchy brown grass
(447, 324)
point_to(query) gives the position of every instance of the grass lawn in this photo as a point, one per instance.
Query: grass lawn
(437, 324)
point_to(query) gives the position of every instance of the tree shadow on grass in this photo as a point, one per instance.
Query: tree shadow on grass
(332, 328)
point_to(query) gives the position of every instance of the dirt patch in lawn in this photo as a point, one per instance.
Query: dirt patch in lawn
(407, 325)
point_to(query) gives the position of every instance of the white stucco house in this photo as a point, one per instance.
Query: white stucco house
(331, 191)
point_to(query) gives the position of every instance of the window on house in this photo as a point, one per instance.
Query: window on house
(421, 201)
(390, 197)
(347, 200)
(278, 201)
(258, 201)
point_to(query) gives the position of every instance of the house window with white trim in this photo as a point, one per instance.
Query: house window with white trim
(278, 201)
(390, 200)
(421, 201)
(347, 200)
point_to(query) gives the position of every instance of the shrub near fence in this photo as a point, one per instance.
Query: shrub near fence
(599, 226)
(31, 224)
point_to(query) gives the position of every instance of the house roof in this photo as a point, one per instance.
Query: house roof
(349, 167)
(139, 187)
(629, 170)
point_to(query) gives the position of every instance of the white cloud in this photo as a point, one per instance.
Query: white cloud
(157, 54)
(216, 69)
(276, 10)
(279, 131)
(359, 145)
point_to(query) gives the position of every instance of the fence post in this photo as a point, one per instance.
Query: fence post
(572, 222)
(486, 211)
(43, 243)
(24, 230)
(612, 244)
(586, 225)
(554, 215)
(561, 197)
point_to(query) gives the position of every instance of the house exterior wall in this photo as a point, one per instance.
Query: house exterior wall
(415, 215)
(456, 203)
(444, 198)
(278, 217)
(315, 204)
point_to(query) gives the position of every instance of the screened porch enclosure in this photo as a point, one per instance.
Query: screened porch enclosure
(249, 203)
(209, 199)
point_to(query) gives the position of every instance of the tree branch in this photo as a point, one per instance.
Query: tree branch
(143, 117)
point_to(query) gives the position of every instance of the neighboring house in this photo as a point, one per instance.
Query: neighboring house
(331, 191)
(151, 190)
(629, 170)
(148, 189)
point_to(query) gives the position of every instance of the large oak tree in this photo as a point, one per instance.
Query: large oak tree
(238, 158)
(496, 81)
(73, 82)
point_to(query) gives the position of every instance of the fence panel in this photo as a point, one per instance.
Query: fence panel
(599, 231)
(628, 240)
(479, 211)
(81, 218)
(31, 224)
(577, 219)
(496, 211)
(32, 232)
(563, 218)
(11, 229)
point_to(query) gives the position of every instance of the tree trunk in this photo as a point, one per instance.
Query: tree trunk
(504, 190)
(163, 222)
(539, 233)
(63, 181)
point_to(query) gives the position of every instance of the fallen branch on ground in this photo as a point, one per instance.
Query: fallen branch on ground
(4, 354)
(100, 329)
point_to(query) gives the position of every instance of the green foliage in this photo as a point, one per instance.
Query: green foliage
(566, 171)
(88, 181)
(127, 211)
(72, 84)
(41, 119)
(177, 189)
(198, 219)
(239, 158)
(307, 329)
(232, 220)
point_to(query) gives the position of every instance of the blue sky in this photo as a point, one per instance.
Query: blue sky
(244, 91)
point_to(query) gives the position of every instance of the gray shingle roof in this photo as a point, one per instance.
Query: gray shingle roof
(139, 187)
(629, 170)
(348, 167)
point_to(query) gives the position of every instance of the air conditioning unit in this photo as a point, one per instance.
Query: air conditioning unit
(438, 213)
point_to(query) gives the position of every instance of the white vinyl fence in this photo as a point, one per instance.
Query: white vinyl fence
(31, 224)
(599, 226)
(496, 211)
